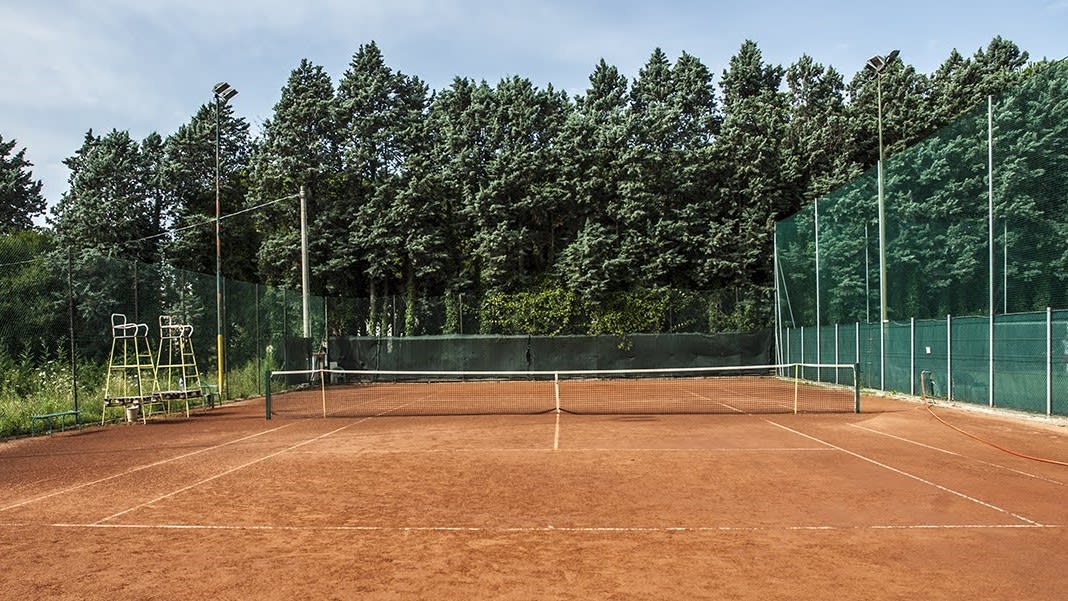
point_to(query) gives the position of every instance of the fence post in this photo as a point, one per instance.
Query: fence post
(787, 355)
(836, 358)
(990, 364)
(1049, 361)
(856, 351)
(267, 393)
(882, 355)
(949, 357)
(70, 323)
(912, 356)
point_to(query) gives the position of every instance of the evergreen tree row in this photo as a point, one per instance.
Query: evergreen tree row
(671, 180)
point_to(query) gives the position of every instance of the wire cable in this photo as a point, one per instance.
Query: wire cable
(210, 221)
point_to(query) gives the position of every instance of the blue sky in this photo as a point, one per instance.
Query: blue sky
(147, 65)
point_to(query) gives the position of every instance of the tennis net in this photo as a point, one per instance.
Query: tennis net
(735, 389)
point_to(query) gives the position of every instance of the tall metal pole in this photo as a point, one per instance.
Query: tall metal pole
(877, 64)
(218, 253)
(223, 93)
(70, 321)
(305, 274)
(882, 206)
(816, 235)
(882, 240)
(990, 236)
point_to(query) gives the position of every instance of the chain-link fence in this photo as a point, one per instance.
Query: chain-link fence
(976, 224)
(56, 327)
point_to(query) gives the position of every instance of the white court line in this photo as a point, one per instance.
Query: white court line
(955, 454)
(703, 397)
(556, 435)
(483, 450)
(563, 529)
(219, 475)
(250, 463)
(137, 469)
(907, 474)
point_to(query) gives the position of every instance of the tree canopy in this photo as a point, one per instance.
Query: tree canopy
(672, 180)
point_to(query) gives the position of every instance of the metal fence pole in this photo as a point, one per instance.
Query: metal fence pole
(70, 318)
(912, 356)
(1049, 361)
(949, 357)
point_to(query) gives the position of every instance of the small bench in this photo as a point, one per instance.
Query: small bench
(52, 418)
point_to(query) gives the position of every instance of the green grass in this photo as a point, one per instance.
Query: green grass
(30, 386)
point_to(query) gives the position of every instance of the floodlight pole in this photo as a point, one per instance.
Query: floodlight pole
(882, 204)
(877, 64)
(305, 272)
(223, 93)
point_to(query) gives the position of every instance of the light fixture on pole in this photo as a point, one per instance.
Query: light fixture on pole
(876, 65)
(223, 93)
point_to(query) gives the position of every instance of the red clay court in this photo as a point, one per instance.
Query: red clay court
(885, 504)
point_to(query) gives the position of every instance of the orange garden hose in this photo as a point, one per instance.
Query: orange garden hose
(987, 442)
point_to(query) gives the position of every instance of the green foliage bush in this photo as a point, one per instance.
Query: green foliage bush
(554, 311)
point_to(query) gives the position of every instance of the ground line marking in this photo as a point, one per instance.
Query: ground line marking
(549, 528)
(139, 468)
(955, 454)
(244, 465)
(907, 474)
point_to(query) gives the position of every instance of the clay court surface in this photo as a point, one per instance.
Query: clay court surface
(887, 504)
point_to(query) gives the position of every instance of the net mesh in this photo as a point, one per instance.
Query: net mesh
(936, 199)
(730, 390)
(944, 261)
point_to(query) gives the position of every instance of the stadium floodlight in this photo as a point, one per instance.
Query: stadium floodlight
(223, 93)
(877, 64)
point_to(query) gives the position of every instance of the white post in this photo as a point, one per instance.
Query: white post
(556, 390)
(912, 356)
(882, 355)
(819, 350)
(949, 357)
(305, 273)
(990, 237)
(1049, 361)
(778, 307)
(836, 358)
(856, 341)
(787, 354)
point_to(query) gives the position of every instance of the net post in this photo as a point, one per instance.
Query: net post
(322, 388)
(267, 393)
(797, 383)
(856, 388)
(556, 389)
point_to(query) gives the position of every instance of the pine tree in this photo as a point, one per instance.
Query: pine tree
(109, 205)
(592, 172)
(459, 120)
(298, 146)
(20, 195)
(751, 156)
(189, 178)
(818, 157)
(515, 213)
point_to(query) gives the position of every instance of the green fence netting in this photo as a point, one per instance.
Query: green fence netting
(976, 221)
